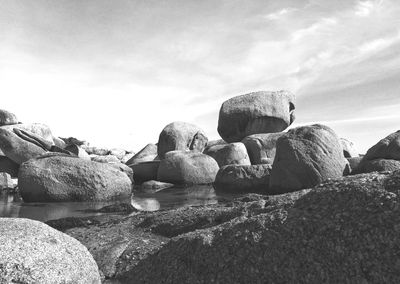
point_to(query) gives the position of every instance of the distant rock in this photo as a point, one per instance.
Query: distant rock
(78, 151)
(104, 159)
(8, 166)
(153, 186)
(306, 156)
(73, 140)
(16, 148)
(6, 181)
(187, 167)
(7, 118)
(262, 147)
(181, 136)
(258, 112)
(145, 171)
(349, 150)
(56, 178)
(32, 252)
(227, 154)
(243, 179)
(119, 153)
(148, 153)
(127, 157)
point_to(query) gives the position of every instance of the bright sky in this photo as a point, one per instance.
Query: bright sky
(115, 72)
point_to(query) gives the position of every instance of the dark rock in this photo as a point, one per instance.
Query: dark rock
(64, 178)
(32, 252)
(147, 154)
(181, 167)
(243, 179)
(259, 112)
(380, 165)
(261, 147)
(354, 164)
(7, 118)
(78, 151)
(8, 166)
(73, 140)
(228, 154)
(181, 136)
(17, 149)
(145, 171)
(306, 156)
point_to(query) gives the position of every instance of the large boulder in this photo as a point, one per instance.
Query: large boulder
(305, 157)
(227, 154)
(8, 166)
(380, 165)
(148, 153)
(18, 149)
(33, 252)
(64, 178)
(38, 129)
(262, 147)
(259, 112)
(243, 179)
(187, 167)
(181, 136)
(7, 118)
(145, 171)
(349, 150)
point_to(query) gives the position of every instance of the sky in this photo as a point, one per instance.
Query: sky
(115, 72)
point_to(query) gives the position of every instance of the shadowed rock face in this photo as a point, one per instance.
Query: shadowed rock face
(62, 178)
(305, 157)
(32, 252)
(259, 112)
(262, 147)
(181, 136)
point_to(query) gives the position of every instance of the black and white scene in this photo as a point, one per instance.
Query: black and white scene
(184, 141)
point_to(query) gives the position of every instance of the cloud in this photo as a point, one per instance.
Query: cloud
(365, 8)
(279, 14)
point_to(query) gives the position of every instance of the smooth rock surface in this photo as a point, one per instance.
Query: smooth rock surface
(187, 167)
(148, 153)
(63, 178)
(145, 171)
(258, 112)
(243, 179)
(305, 157)
(181, 136)
(227, 154)
(261, 147)
(32, 252)
(40, 129)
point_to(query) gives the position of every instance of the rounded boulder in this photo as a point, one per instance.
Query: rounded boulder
(227, 154)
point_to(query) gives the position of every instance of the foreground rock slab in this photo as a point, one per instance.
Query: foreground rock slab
(32, 252)
(65, 178)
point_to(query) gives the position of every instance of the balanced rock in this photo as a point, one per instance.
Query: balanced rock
(306, 156)
(259, 112)
(243, 178)
(148, 153)
(262, 147)
(349, 150)
(32, 252)
(8, 166)
(55, 178)
(181, 136)
(145, 171)
(187, 167)
(227, 154)
(18, 149)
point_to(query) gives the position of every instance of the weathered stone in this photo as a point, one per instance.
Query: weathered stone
(32, 252)
(181, 136)
(187, 167)
(227, 154)
(261, 147)
(380, 165)
(7, 118)
(243, 179)
(145, 171)
(349, 150)
(306, 156)
(65, 178)
(104, 159)
(259, 112)
(147, 154)
(38, 129)
(17, 149)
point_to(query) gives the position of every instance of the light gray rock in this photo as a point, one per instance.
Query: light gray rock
(6, 181)
(258, 112)
(7, 118)
(306, 156)
(261, 147)
(104, 159)
(59, 142)
(127, 157)
(119, 153)
(56, 178)
(187, 167)
(181, 136)
(39, 129)
(32, 252)
(227, 154)
(147, 154)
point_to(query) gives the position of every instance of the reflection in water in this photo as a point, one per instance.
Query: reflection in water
(11, 204)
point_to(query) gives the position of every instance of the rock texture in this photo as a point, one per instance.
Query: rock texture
(227, 154)
(148, 153)
(261, 147)
(7, 118)
(186, 167)
(32, 252)
(259, 112)
(305, 157)
(64, 178)
(181, 136)
(243, 179)
(38, 129)
(18, 149)
(380, 165)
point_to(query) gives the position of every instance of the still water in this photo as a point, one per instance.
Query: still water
(11, 205)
